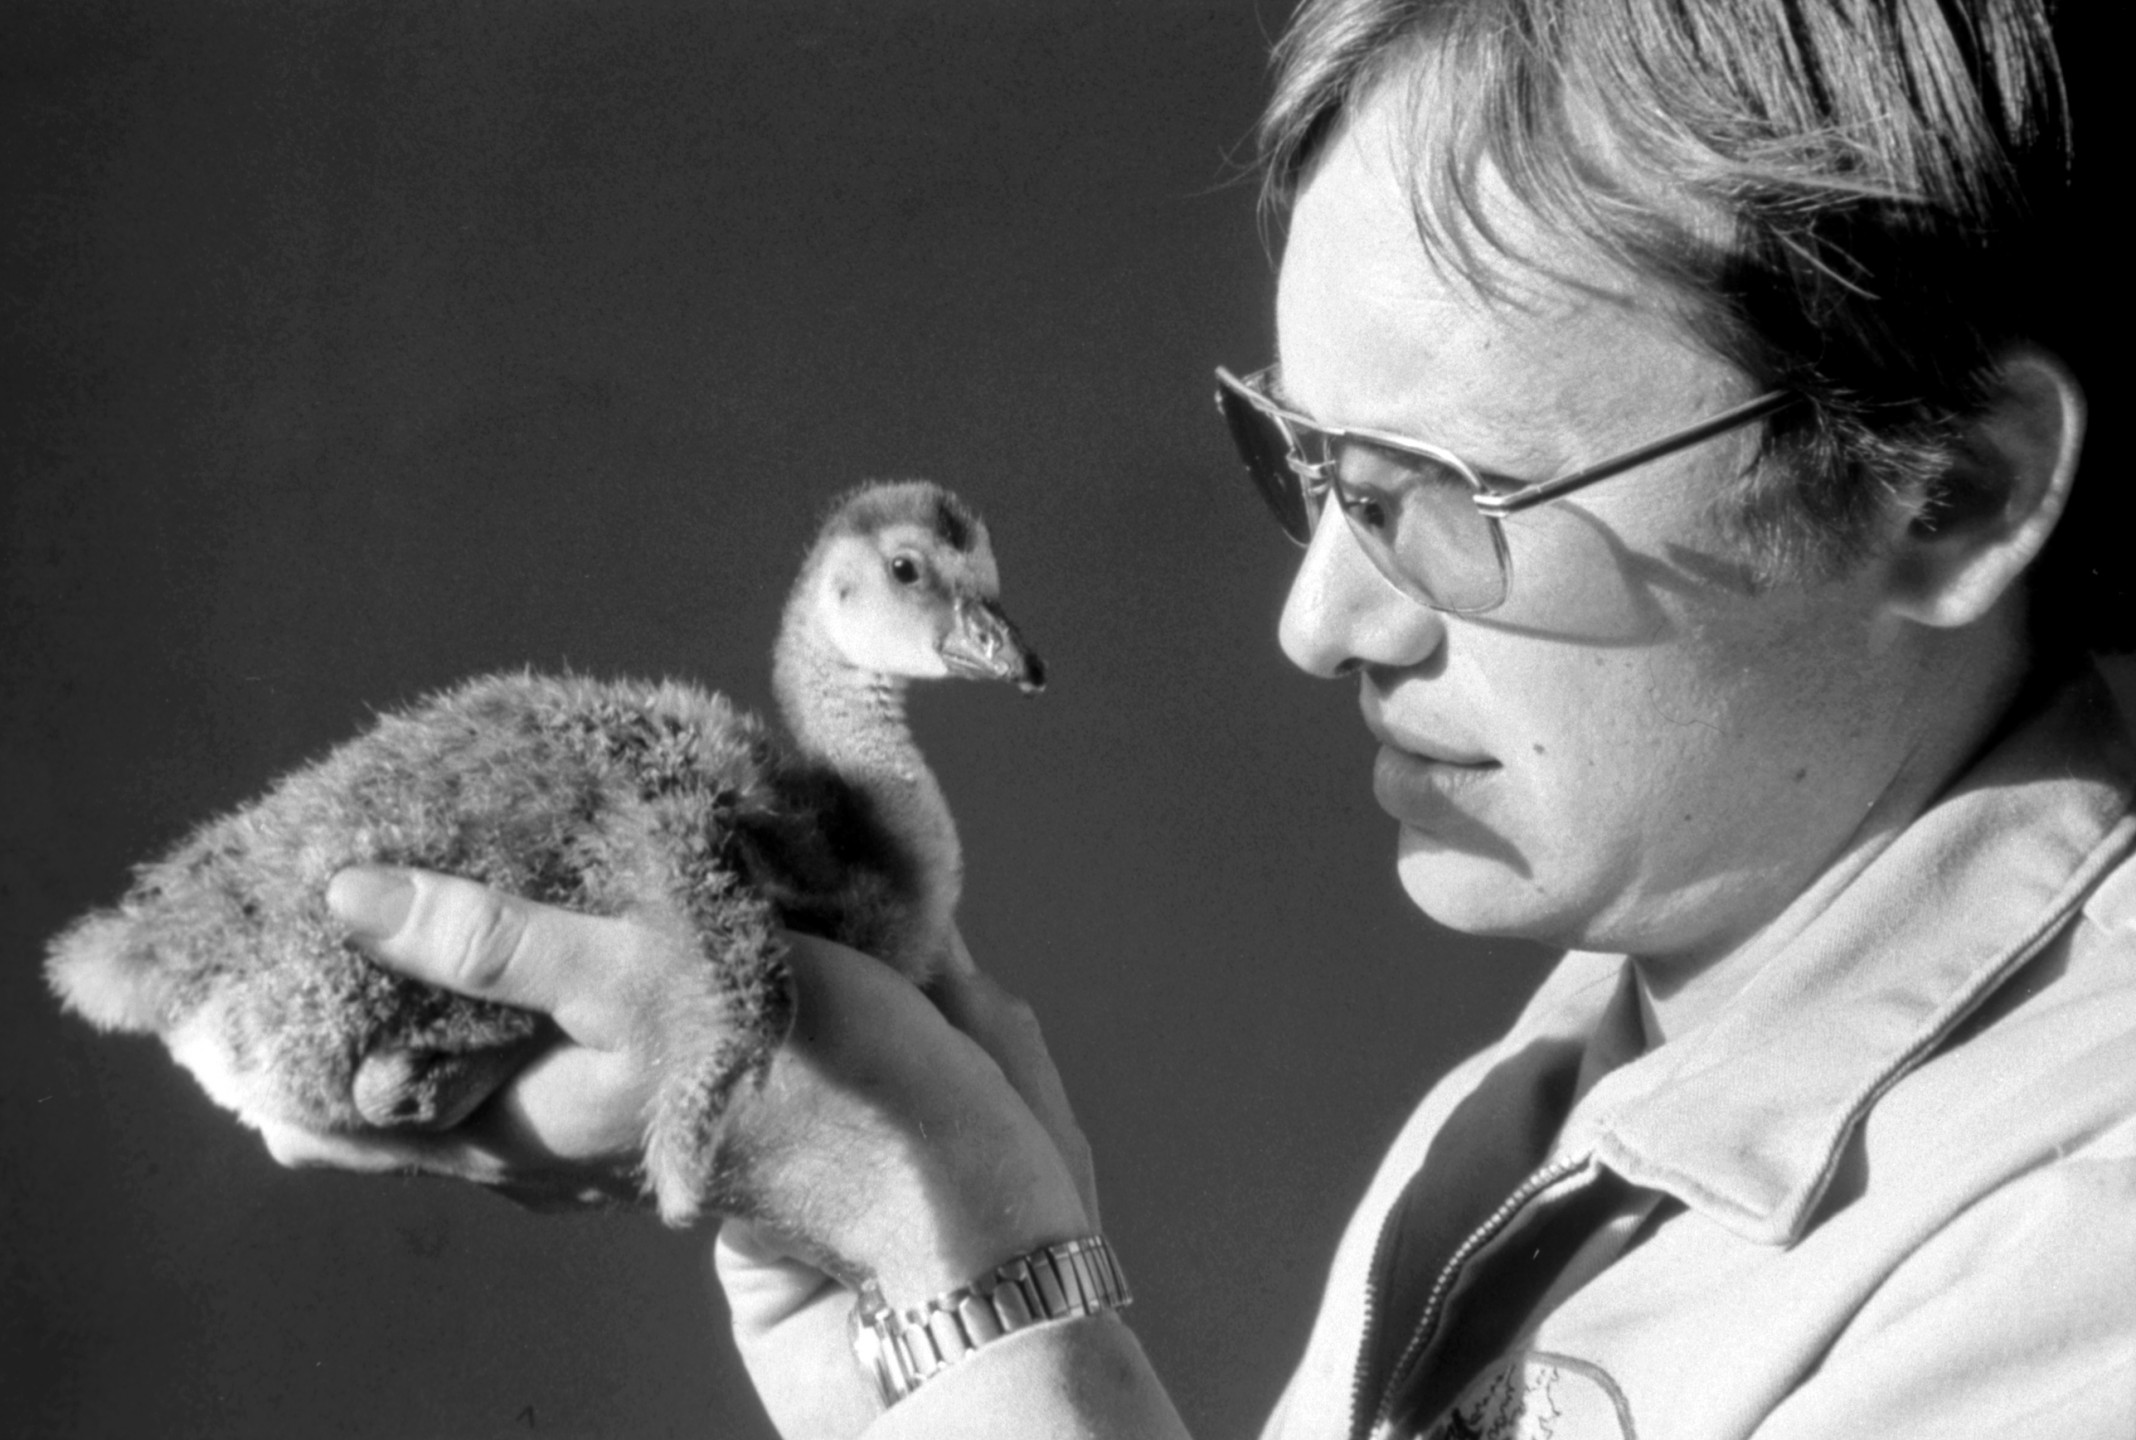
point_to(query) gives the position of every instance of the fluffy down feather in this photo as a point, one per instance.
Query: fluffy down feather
(610, 798)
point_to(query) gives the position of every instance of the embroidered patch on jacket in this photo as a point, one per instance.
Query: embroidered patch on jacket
(1539, 1396)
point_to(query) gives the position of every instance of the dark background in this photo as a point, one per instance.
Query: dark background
(351, 349)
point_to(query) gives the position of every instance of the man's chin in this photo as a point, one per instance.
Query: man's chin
(1485, 890)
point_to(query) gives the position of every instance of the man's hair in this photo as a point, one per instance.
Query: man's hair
(1853, 200)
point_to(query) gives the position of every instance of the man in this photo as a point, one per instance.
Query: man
(1769, 710)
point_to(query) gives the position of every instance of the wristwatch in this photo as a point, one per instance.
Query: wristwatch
(902, 1349)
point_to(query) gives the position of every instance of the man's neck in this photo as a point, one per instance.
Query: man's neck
(1679, 993)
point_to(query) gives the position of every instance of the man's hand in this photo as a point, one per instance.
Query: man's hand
(919, 1144)
(790, 1317)
(567, 1128)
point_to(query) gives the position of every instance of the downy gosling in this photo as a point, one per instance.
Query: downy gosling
(660, 801)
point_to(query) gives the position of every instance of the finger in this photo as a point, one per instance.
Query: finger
(298, 1149)
(468, 938)
(574, 1104)
(464, 1156)
(792, 1325)
(295, 1149)
(763, 1280)
(403, 1089)
(1007, 1029)
(559, 1196)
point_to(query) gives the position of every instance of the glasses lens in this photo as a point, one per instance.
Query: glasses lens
(1265, 448)
(1413, 513)
(1416, 519)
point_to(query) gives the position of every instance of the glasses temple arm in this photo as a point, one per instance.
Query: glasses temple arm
(1501, 505)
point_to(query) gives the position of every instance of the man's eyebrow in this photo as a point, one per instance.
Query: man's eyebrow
(1495, 478)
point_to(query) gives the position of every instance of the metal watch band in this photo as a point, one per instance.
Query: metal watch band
(902, 1349)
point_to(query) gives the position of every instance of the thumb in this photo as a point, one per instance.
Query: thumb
(765, 1282)
(465, 937)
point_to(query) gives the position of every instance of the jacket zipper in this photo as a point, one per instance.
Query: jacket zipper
(1363, 1424)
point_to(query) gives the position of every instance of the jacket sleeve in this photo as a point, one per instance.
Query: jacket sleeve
(1081, 1379)
(2018, 1318)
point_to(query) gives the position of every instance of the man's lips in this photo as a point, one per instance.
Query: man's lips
(1433, 752)
(1413, 787)
(1418, 776)
(1427, 749)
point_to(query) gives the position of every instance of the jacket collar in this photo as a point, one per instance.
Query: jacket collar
(1745, 1119)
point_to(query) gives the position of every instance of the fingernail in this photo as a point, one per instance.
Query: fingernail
(371, 900)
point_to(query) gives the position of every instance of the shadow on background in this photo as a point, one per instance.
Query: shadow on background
(355, 348)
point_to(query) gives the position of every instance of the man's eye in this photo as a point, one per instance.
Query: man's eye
(1366, 511)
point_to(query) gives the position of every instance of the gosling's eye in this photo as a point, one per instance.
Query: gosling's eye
(905, 570)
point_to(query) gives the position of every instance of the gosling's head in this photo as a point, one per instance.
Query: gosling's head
(902, 583)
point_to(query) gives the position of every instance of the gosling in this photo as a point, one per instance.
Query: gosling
(655, 800)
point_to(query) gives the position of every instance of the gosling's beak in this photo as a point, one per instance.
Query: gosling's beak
(981, 644)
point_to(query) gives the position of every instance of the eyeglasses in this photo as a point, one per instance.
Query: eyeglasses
(1424, 516)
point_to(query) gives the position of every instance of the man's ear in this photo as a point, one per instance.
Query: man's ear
(1993, 510)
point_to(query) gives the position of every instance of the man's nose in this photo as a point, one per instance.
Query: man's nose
(1343, 614)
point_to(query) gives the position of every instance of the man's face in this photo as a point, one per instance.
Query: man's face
(1641, 749)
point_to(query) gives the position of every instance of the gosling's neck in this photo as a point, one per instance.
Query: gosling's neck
(853, 720)
(850, 718)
